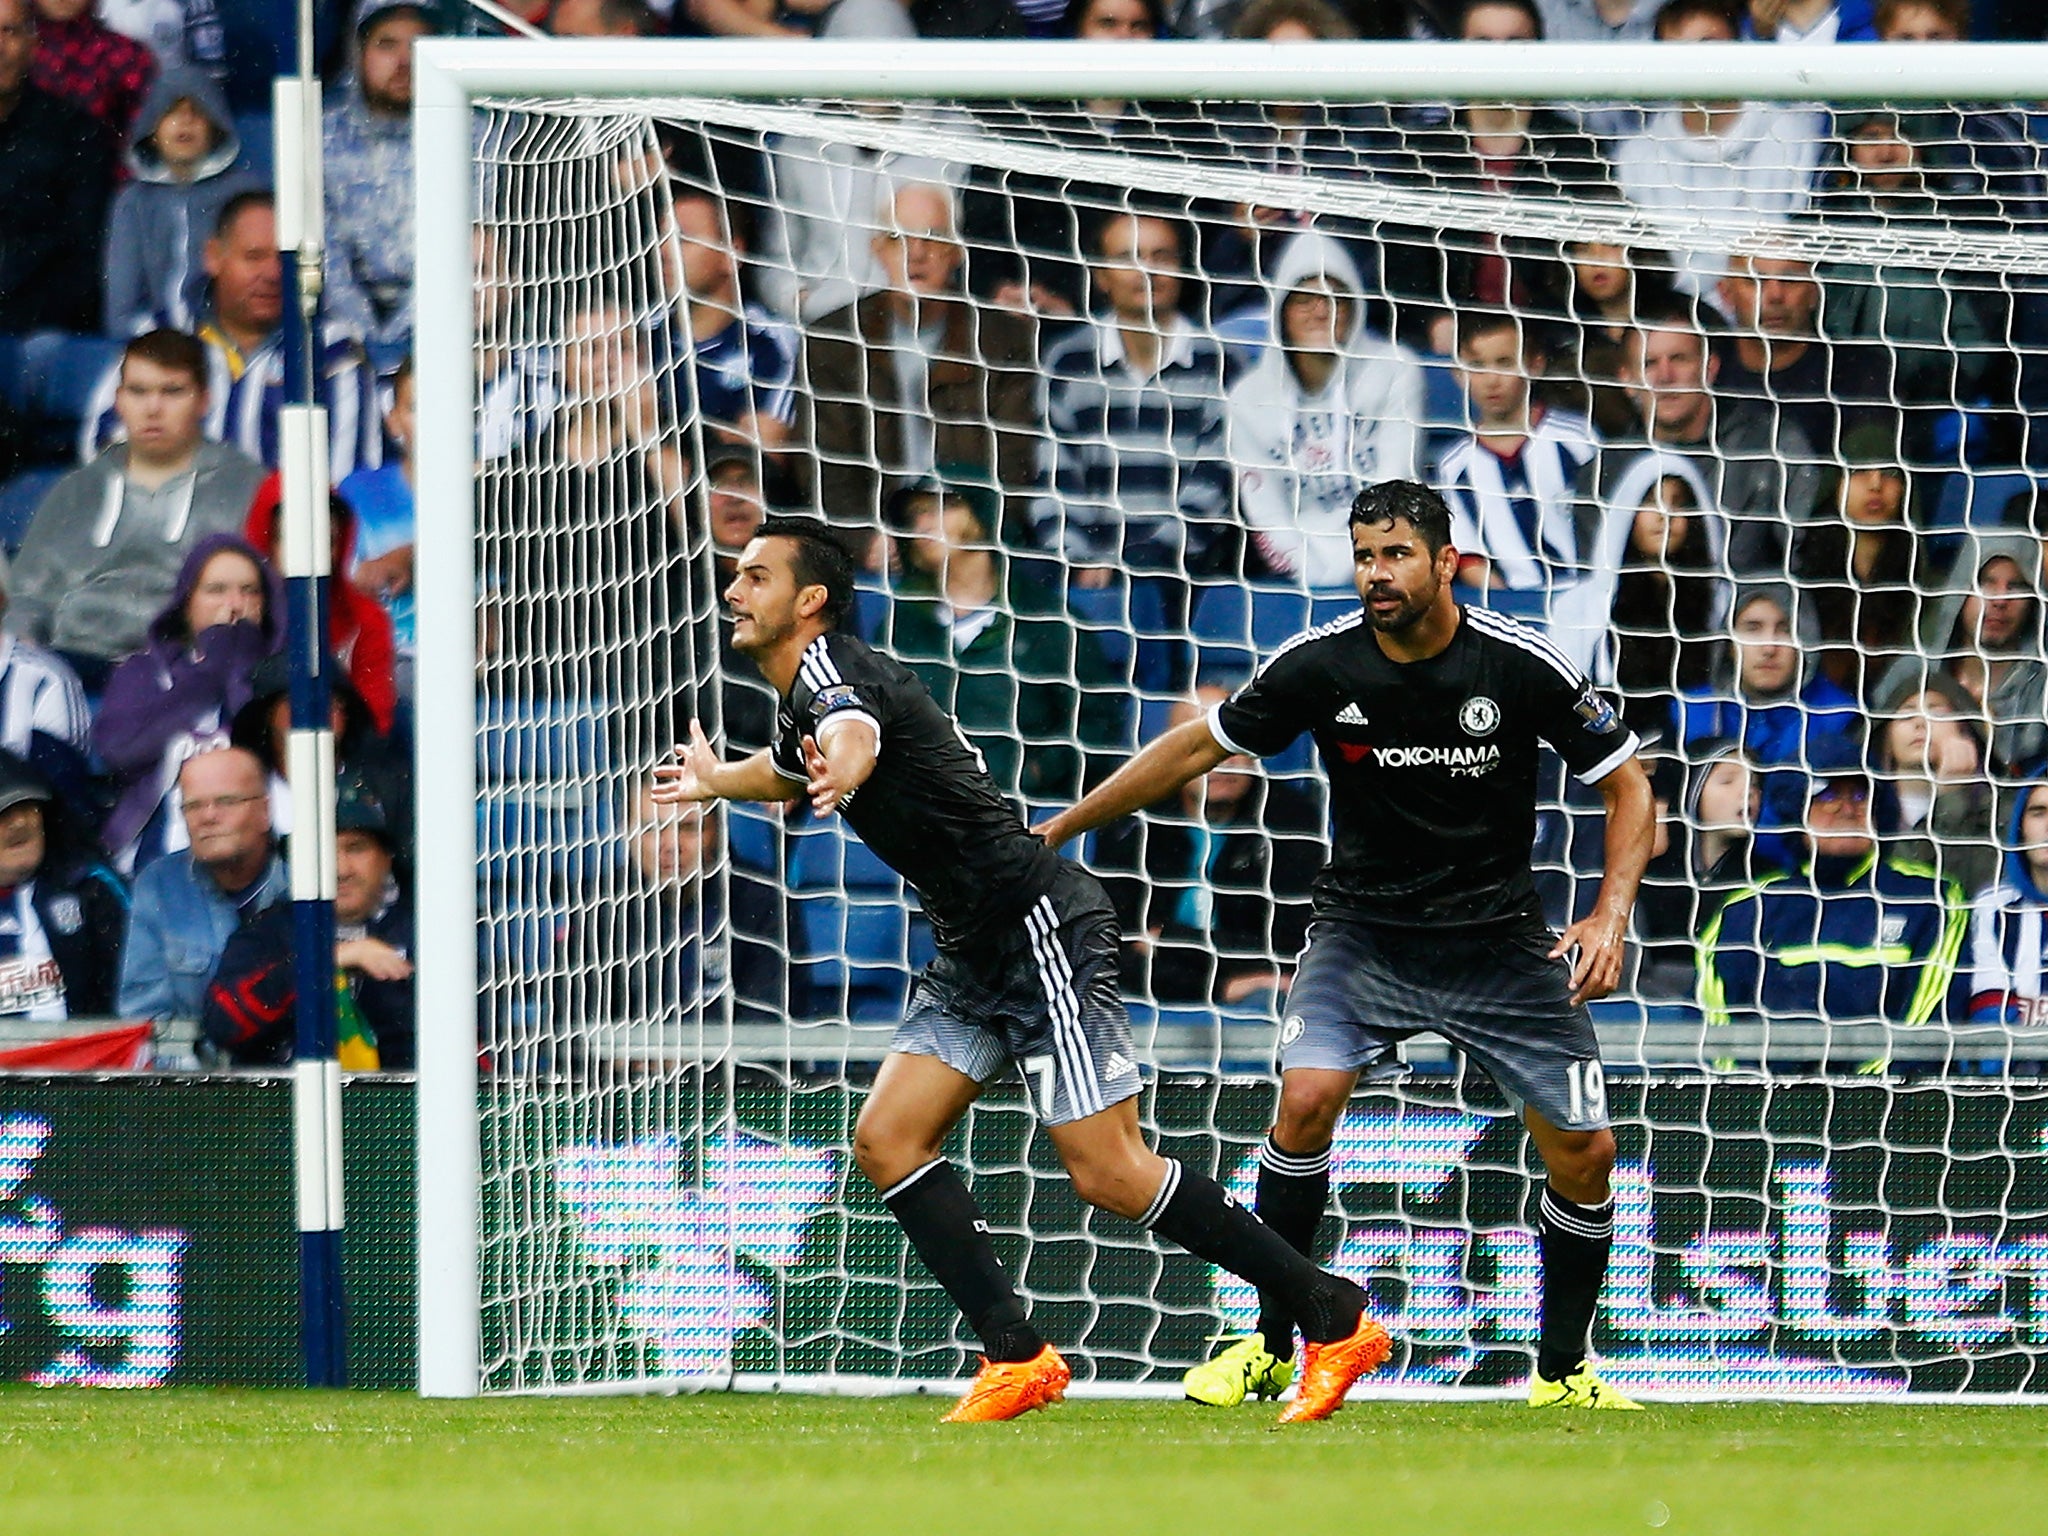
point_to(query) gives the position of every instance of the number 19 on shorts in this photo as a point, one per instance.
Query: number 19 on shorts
(1586, 1091)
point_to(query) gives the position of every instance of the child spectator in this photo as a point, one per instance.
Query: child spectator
(177, 696)
(1329, 406)
(358, 630)
(1936, 788)
(2008, 934)
(185, 165)
(382, 502)
(1608, 285)
(1671, 588)
(103, 554)
(63, 913)
(1706, 829)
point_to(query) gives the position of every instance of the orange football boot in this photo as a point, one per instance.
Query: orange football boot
(1005, 1389)
(1328, 1370)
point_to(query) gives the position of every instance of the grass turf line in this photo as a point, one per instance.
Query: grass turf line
(215, 1462)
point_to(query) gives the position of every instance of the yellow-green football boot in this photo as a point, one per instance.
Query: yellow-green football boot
(1245, 1369)
(1582, 1389)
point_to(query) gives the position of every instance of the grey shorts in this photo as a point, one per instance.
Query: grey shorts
(1042, 996)
(1498, 997)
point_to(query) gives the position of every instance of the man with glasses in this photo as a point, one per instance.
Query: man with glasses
(187, 904)
(1854, 934)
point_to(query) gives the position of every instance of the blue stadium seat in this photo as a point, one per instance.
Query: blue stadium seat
(753, 837)
(542, 817)
(858, 956)
(1235, 627)
(870, 608)
(258, 134)
(19, 499)
(71, 372)
(1979, 501)
(824, 856)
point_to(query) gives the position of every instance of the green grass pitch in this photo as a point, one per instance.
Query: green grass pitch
(220, 1462)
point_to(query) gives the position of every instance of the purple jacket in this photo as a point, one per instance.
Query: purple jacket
(177, 696)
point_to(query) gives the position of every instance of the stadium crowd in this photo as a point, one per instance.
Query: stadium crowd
(1097, 450)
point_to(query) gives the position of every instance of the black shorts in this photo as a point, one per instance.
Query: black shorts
(1043, 995)
(1498, 996)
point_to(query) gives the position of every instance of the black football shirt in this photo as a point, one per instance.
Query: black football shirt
(1432, 764)
(929, 810)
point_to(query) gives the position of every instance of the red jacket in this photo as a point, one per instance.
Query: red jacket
(358, 628)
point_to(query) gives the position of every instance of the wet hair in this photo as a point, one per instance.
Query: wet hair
(1409, 500)
(820, 560)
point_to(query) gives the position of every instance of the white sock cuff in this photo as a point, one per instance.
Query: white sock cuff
(904, 1183)
(1307, 1165)
(1595, 1223)
(1168, 1188)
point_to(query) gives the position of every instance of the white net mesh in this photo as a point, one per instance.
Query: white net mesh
(1092, 385)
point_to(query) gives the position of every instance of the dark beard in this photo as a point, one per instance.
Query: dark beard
(1402, 618)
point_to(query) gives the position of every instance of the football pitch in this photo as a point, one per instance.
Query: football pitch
(218, 1462)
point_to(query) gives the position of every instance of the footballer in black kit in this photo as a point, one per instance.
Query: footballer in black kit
(1429, 719)
(1025, 979)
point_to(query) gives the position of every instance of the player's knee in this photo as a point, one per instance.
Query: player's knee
(1123, 1186)
(1581, 1168)
(883, 1153)
(1307, 1121)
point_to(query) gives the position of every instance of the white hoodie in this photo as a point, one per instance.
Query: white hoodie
(1300, 460)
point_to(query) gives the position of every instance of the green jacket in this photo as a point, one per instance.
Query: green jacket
(1032, 691)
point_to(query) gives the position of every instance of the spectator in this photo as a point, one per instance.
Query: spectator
(367, 141)
(177, 697)
(1289, 138)
(1727, 159)
(1515, 519)
(1703, 853)
(1762, 472)
(371, 762)
(1854, 935)
(188, 904)
(249, 1014)
(611, 407)
(44, 718)
(736, 503)
(515, 385)
(1031, 691)
(1329, 406)
(242, 330)
(186, 164)
(1776, 357)
(1984, 631)
(1599, 21)
(102, 556)
(1212, 885)
(81, 60)
(646, 956)
(1134, 407)
(1866, 565)
(916, 375)
(1812, 21)
(742, 360)
(600, 18)
(359, 634)
(63, 913)
(381, 502)
(56, 170)
(1991, 142)
(1608, 286)
(1923, 21)
(1931, 753)
(1670, 586)
(2008, 939)
(1763, 699)
(178, 33)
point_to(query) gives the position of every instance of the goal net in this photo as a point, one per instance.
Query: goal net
(1736, 401)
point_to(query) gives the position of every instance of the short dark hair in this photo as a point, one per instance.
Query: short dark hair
(821, 560)
(1475, 323)
(735, 216)
(1077, 12)
(239, 204)
(1324, 20)
(1409, 500)
(1526, 7)
(175, 350)
(1675, 12)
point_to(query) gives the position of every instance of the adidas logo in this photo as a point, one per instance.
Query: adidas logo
(1351, 714)
(1118, 1065)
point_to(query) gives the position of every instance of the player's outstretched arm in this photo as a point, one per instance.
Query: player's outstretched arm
(1182, 755)
(698, 773)
(1602, 934)
(842, 764)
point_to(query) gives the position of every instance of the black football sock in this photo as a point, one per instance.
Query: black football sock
(1292, 1193)
(1196, 1213)
(944, 1225)
(1575, 1240)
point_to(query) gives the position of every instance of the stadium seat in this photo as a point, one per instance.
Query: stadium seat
(824, 856)
(541, 814)
(753, 836)
(1979, 501)
(858, 956)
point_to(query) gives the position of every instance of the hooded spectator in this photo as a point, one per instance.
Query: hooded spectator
(1936, 801)
(63, 913)
(359, 633)
(1704, 850)
(1329, 406)
(2009, 926)
(178, 695)
(185, 165)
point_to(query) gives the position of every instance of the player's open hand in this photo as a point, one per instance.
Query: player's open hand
(828, 791)
(688, 777)
(1601, 942)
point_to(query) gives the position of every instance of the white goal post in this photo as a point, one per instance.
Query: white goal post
(453, 76)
